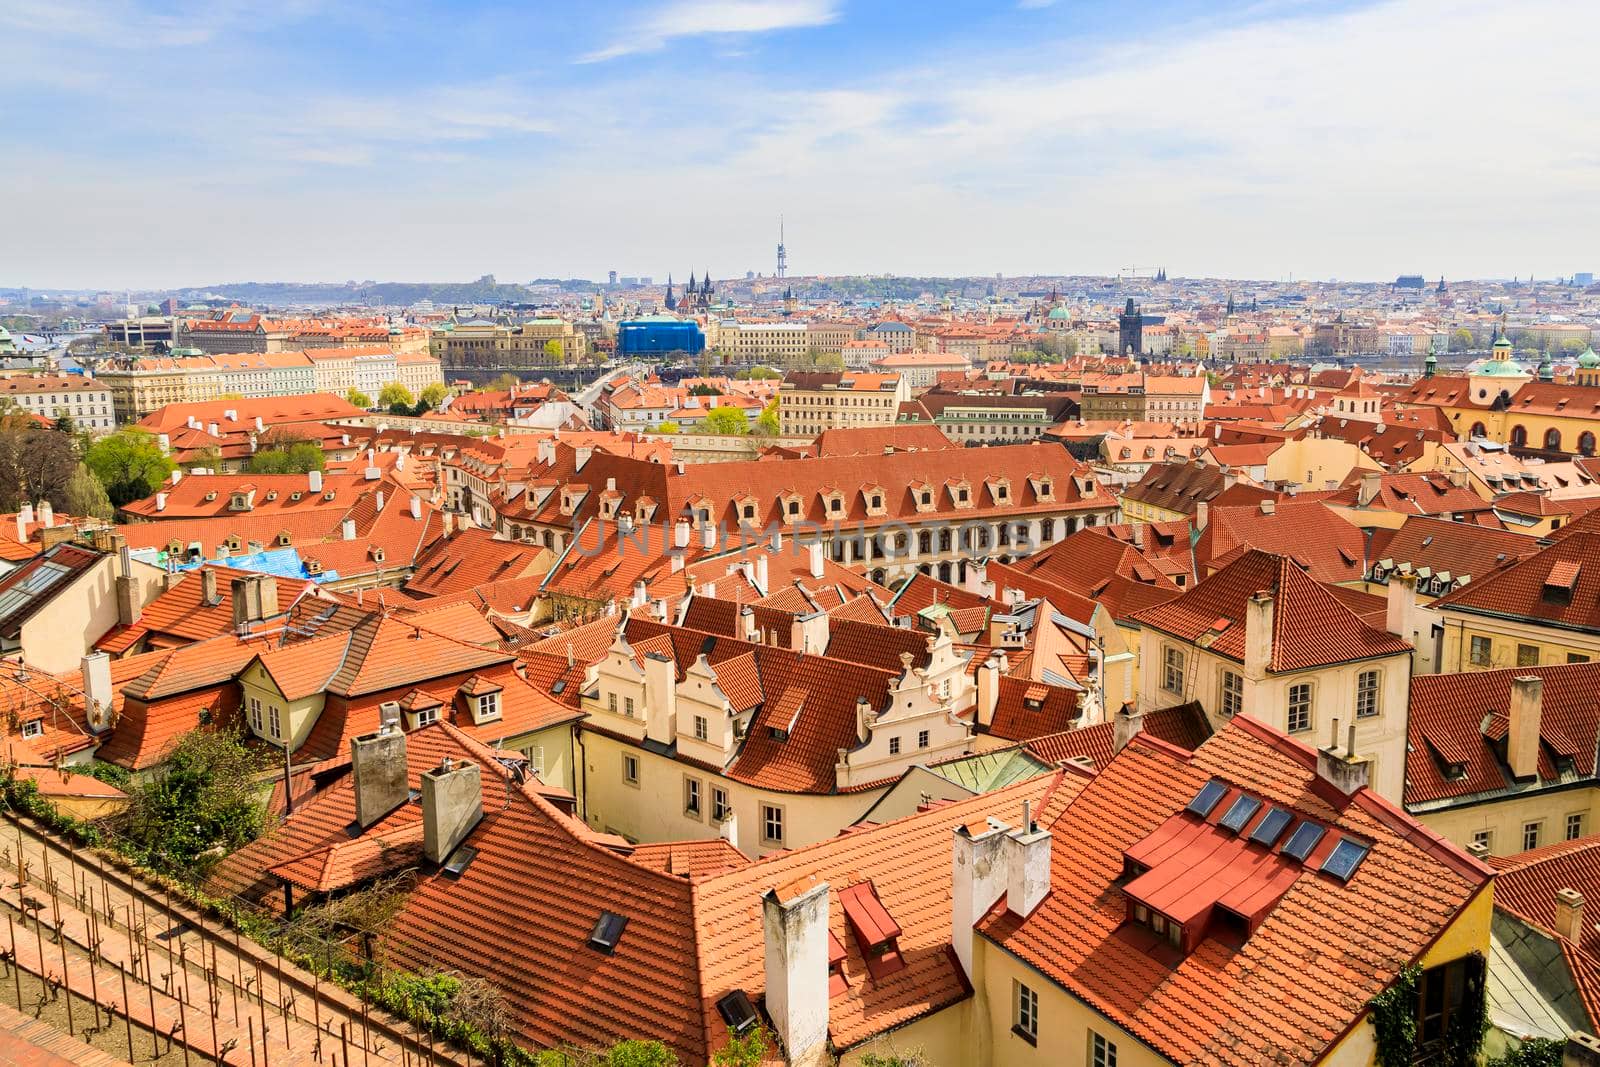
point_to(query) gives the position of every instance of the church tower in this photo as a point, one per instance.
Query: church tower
(1130, 331)
(670, 302)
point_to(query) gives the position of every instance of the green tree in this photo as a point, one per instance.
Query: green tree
(705, 390)
(767, 421)
(503, 384)
(130, 464)
(358, 398)
(1460, 340)
(667, 427)
(397, 398)
(726, 420)
(554, 351)
(296, 457)
(85, 496)
(64, 424)
(202, 798)
(747, 1051)
(433, 395)
(1536, 1052)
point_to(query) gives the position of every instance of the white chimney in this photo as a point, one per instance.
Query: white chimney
(177, 475)
(1569, 914)
(977, 878)
(214, 430)
(814, 559)
(380, 500)
(989, 687)
(1523, 729)
(1347, 770)
(25, 516)
(97, 693)
(259, 424)
(164, 442)
(794, 919)
(708, 537)
(761, 574)
(1258, 635)
(1027, 857)
(680, 533)
(22, 528)
(47, 514)
(660, 698)
(416, 507)
(161, 502)
(378, 772)
(314, 481)
(1126, 724)
(452, 804)
(347, 529)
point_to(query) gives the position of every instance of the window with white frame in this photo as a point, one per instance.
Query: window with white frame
(33, 728)
(274, 721)
(534, 754)
(691, 796)
(771, 824)
(1530, 835)
(1172, 670)
(1232, 694)
(256, 722)
(611, 702)
(1574, 826)
(1367, 683)
(702, 729)
(1299, 707)
(720, 809)
(627, 707)
(427, 716)
(488, 706)
(1024, 1012)
(1484, 838)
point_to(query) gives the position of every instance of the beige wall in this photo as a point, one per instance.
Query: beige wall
(1506, 636)
(1315, 461)
(1505, 820)
(1381, 738)
(58, 635)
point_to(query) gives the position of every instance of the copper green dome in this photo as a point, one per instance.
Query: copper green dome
(1589, 360)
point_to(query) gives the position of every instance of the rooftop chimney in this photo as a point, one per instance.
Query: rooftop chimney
(177, 475)
(808, 634)
(1269, 507)
(761, 574)
(1346, 770)
(989, 674)
(1027, 858)
(1522, 733)
(1258, 635)
(814, 559)
(1126, 724)
(1400, 616)
(416, 507)
(452, 804)
(208, 587)
(314, 481)
(680, 534)
(22, 528)
(347, 529)
(794, 919)
(978, 876)
(47, 514)
(1569, 914)
(161, 502)
(708, 537)
(378, 771)
(97, 692)
(1370, 483)
(24, 516)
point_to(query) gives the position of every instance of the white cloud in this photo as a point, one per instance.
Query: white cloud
(698, 18)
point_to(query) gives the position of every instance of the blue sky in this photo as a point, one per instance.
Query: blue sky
(193, 142)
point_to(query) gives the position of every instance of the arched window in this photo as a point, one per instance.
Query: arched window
(1479, 430)
(1519, 436)
(1552, 440)
(1586, 443)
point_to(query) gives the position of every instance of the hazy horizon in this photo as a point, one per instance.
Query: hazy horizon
(173, 145)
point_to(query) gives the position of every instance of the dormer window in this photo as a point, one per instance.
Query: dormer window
(377, 554)
(876, 932)
(488, 707)
(234, 543)
(313, 566)
(211, 495)
(284, 540)
(483, 698)
(33, 728)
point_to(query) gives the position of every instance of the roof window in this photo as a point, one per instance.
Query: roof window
(1303, 840)
(1345, 858)
(1240, 812)
(1207, 798)
(737, 1011)
(607, 932)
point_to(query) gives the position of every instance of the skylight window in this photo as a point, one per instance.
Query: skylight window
(607, 932)
(1240, 813)
(1303, 840)
(1272, 826)
(1205, 800)
(737, 1011)
(1344, 859)
(459, 860)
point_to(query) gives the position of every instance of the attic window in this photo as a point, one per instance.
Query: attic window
(737, 1011)
(607, 932)
(313, 567)
(459, 859)
(284, 540)
(296, 495)
(1206, 800)
(1345, 858)
(33, 728)
(875, 930)
(1240, 812)
(210, 496)
(1306, 836)
(272, 494)
(377, 555)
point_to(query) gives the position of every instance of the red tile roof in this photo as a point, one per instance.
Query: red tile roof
(1310, 626)
(1312, 534)
(1302, 978)
(1519, 590)
(1450, 754)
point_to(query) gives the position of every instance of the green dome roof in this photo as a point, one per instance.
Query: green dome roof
(1502, 368)
(1503, 343)
(1589, 359)
(1060, 313)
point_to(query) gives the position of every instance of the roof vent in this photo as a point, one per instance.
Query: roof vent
(737, 1011)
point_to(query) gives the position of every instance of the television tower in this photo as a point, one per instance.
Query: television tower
(783, 255)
